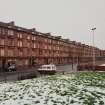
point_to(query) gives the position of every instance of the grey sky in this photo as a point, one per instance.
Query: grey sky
(71, 19)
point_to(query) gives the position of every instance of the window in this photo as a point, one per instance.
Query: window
(27, 62)
(19, 43)
(10, 42)
(28, 52)
(20, 52)
(28, 36)
(34, 45)
(45, 47)
(49, 40)
(38, 46)
(58, 48)
(33, 38)
(49, 47)
(1, 52)
(20, 35)
(33, 53)
(45, 40)
(10, 33)
(20, 62)
(28, 44)
(1, 41)
(3, 31)
(10, 52)
(0, 31)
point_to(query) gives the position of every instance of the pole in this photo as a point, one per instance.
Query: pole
(93, 53)
(72, 63)
(94, 60)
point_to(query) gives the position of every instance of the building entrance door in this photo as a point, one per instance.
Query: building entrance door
(46, 60)
(3, 64)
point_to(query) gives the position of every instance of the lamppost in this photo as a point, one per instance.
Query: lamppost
(93, 50)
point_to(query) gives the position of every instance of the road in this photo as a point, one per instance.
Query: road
(61, 69)
(67, 68)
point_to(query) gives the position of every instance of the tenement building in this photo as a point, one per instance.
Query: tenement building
(27, 47)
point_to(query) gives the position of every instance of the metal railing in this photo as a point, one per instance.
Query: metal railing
(18, 75)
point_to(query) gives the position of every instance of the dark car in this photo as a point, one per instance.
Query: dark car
(12, 67)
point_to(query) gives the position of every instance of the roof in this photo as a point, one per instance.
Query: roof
(11, 25)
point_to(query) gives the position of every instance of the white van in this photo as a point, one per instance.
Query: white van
(50, 67)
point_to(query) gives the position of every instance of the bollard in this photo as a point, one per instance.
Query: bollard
(63, 72)
(5, 77)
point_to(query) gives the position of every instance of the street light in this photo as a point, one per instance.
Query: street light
(93, 51)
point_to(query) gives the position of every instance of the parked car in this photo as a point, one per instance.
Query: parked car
(12, 67)
(50, 67)
(47, 69)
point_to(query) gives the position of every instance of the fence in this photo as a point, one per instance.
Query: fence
(90, 67)
(18, 75)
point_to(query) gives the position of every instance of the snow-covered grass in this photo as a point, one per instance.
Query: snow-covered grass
(74, 89)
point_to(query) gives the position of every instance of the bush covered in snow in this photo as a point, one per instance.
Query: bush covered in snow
(73, 89)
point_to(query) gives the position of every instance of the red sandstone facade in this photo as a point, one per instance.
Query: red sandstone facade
(27, 46)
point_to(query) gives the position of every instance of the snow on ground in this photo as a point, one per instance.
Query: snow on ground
(74, 89)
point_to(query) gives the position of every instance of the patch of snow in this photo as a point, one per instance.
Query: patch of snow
(59, 89)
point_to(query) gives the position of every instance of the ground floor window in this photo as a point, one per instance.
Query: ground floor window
(20, 62)
(10, 52)
(1, 52)
(27, 62)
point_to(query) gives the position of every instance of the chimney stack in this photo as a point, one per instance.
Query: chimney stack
(12, 23)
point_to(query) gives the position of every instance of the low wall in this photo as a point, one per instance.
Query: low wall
(90, 67)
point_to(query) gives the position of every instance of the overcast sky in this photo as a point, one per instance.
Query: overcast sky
(71, 19)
